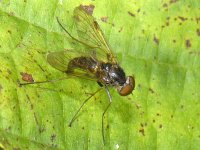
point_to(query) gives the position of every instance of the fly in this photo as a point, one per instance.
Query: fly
(95, 62)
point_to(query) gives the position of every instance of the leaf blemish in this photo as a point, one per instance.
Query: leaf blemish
(158, 114)
(198, 32)
(142, 131)
(120, 30)
(104, 19)
(156, 40)
(188, 43)
(165, 5)
(173, 1)
(182, 18)
(131, 14)
(9, 32)
(151, 90)
(88, 8)
(26, 77)
(53, 137)
(1, 87)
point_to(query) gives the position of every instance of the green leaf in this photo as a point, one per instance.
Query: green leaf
(156, 41)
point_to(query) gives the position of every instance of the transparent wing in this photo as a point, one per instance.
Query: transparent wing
(60, 60)
(91, 35)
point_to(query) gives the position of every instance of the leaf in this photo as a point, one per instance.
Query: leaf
(158, 42)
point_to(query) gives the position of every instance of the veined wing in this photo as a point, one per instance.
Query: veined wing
(91, 35)
(60, 60)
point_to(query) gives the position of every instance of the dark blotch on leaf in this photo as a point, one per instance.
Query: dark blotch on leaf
(198, 19)
(198, 32)
(27, 77)
(107, 126)
(104, 19)
(9, 32)
(1, 87)
(188, 43)
(194, 53)
(120, 30)
(160, 126)
(131, 14)
(182, 18)
(41, 129)
(16, 148)
(156, 40)
(165, 5)
(142, 131)
(173, 1)
(9, 71)
(53, 137)
(151, 90)
(88, 8)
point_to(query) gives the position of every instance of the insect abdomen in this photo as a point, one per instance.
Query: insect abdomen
(85, 63)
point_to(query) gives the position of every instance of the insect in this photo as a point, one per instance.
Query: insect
(95, 61)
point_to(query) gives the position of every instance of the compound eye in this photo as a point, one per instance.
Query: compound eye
(128, 87)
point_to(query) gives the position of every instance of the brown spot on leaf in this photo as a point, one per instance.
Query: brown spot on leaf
(120, 30)
(182, 18)
(16, 148)
(160, 126)
(174, 41)
(173, 1)
(165, 5)
(142, 131)
(195, 53)
(88, 8)
(198, 32)
(151, 90)
(9, 71)
(9, 32)
(198, 19)
(104, 19)
(53, 137)
(26, 77)
(156, 40)
(188, 43)
(167, 23)
(41, 129)
(158, 114)
(131, 14)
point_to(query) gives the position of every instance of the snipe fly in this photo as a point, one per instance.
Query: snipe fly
(96, 61)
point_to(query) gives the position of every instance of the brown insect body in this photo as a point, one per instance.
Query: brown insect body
(106, 73)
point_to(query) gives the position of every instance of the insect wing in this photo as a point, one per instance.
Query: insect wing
(90, 33)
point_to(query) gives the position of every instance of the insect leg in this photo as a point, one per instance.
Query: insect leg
(110, 102)
(39, 82)
(74, 117)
